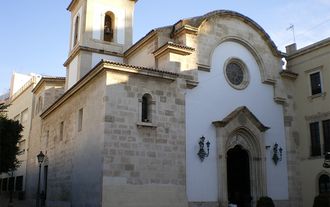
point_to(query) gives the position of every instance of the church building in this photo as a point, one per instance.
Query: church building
(198, 113)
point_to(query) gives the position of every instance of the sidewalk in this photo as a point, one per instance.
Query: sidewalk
(4, 201)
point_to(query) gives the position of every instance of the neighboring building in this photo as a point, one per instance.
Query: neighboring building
(19, 80)
(4, 97)
(127, 130)
(45, 93)
(23, 106)
(20, 109)
(18, 83)
(312, 118)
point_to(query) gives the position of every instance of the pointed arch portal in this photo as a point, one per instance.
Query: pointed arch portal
(241, 163)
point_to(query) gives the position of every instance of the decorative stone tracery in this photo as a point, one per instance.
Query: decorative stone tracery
(242, 128)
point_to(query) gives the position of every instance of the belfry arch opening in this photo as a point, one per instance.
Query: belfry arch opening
(109, 25)
(76, 31)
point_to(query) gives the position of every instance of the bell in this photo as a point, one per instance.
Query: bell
(108, 30)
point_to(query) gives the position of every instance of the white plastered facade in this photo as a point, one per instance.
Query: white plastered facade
(215, 99)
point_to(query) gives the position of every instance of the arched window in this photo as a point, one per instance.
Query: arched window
(324, 184)
(108, 27)
(146, 108)
(76, 30)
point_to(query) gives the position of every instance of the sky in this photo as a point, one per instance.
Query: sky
(34, 35)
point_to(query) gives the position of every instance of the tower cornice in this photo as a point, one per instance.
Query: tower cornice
(73, 2)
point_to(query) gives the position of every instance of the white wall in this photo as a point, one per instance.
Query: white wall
(18, 80)
(73, 72)
(98, 21)
(96, 58)
(213, 99)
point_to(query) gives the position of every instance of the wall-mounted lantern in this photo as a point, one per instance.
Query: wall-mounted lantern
(201, 153)
(326, 163)
(277, 153)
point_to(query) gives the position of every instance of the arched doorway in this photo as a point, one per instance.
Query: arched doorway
(241, 151)
(238, 177)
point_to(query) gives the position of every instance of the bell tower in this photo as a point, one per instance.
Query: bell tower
(100, 29)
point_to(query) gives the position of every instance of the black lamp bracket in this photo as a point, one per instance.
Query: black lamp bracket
(202, 153)
(277, 153)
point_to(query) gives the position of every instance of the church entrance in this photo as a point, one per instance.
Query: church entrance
(238, 177)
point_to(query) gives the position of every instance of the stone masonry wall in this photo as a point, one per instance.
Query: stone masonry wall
(144, 163)
(74, 159)
(36, 140)
(292, 143)
(51, 95)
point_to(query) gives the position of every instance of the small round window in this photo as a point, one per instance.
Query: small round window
(236, 73)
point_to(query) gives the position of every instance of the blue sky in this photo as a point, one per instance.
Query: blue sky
(34, 35)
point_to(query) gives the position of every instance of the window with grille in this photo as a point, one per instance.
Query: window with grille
(47, 138)
(326, 135)
(80, 119)
(315, 139)
(11, 184)
(61, 130)
(4, 184)
(146, 108)
(324, 184)
(19, 183)
(315, 80)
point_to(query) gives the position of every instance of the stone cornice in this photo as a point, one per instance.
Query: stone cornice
(198, 21)
(280, 100)
(104, 66)
(288, 74)
(246, 112)
(140, 70)
(83, 81)
(72, 3)
(47, 79)
(171, 47)
(185, 29)
(191, 83)
(79, 48)
(202, 67)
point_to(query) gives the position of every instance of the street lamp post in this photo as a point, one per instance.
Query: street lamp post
(40, 157)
